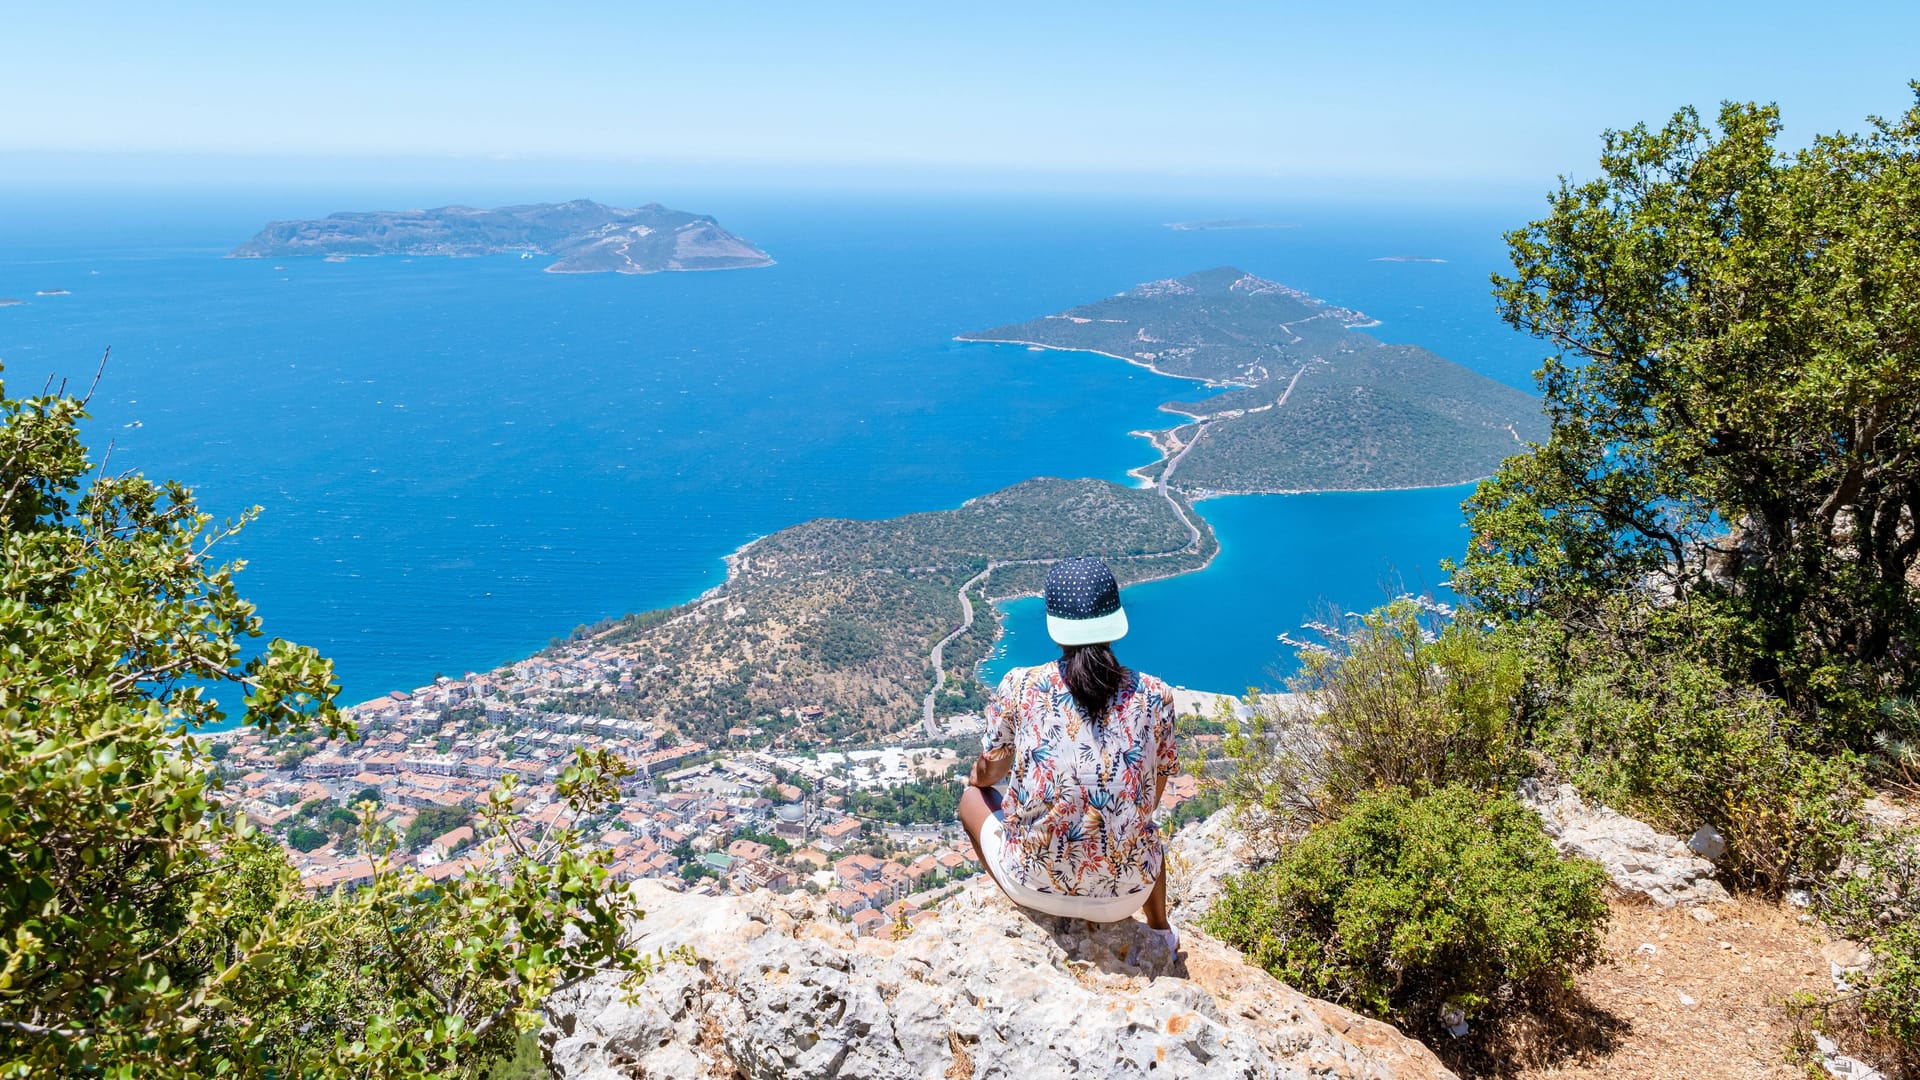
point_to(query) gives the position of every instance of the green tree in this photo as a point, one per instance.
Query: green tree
(434, 821)
(306, 838)
(1398, 697)
(145, 929)
(1735, 402)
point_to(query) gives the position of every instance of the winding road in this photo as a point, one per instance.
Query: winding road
(937, 656)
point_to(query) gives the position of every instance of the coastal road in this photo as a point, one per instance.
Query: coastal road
(937, 657)
(966, 623)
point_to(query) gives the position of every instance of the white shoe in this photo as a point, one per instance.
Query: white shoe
(1171, 938)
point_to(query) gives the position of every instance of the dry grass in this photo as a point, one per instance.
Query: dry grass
(1631, 1017)
(961, 1068)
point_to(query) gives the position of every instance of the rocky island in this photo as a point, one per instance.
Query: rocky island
(1310, 403)
(583, 237)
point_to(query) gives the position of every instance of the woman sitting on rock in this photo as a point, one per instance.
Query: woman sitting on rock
(1089, 746)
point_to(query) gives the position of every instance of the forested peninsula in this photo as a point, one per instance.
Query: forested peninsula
(583, 236)
(826, 630)
(1313, 404)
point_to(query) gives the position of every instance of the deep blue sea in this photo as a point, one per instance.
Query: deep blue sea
(457, 460)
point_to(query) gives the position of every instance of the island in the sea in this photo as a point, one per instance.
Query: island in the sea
(582, 236)
(1409, 259)
(11, 301)
(1311, 404)
(54, 292)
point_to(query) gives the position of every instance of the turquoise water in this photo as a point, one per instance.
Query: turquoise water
(1283, 559)
(459, 459)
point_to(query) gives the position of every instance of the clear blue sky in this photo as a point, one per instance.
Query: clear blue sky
(1162, 95)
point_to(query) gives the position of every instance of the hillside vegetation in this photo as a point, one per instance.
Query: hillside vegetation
(840, 615)
(146, 929)
(1317, 405)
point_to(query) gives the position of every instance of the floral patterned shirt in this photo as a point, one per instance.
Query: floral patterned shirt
(1081, 796)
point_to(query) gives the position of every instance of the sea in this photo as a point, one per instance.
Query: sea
(457, 460)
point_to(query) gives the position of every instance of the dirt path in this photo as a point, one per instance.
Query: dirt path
(1704, 1003)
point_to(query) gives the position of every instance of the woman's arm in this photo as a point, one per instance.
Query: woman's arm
(991, 767)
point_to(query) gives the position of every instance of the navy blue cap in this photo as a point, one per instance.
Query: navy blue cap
(1083, 603)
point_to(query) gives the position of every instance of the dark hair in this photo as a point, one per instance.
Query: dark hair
(1093, 675)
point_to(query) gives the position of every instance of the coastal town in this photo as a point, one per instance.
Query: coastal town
(869, 827)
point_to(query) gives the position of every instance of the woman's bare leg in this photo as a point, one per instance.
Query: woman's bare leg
(976, 805)
(1155, 909)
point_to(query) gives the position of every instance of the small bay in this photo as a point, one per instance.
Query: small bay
(1284, 559)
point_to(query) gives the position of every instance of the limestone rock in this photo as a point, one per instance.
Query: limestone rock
(1840, 1066)
(1640, 860)
(780, 990)
(1201, 856)
(1708, 843)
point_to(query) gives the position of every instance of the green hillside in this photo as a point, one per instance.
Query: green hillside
(1318, 405)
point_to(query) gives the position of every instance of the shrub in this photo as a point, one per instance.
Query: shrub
(1877, 904)
(1411, 906)
(146, 929)
(1663, 737)
(1395, 698)
(1895, 760)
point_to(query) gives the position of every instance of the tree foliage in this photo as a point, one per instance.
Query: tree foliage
(1398, 697)
(914, 802)
(434, 821)
(1640, 716)
(145, 929)
(1735, 401)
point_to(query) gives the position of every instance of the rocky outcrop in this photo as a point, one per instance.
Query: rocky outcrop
(1202, 856)
(1640, 860)
(779, 989)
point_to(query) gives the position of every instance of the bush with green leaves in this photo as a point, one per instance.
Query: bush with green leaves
(146, 930)
(1633, 717)
(1413, 907)
(1895, 759)
(1399, 697)
(1877, 903)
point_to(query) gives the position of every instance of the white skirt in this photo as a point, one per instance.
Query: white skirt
(1101, 909)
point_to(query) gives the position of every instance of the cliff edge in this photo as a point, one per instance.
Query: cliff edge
(985, 990)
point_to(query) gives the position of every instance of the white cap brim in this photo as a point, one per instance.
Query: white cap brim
(1088, 631)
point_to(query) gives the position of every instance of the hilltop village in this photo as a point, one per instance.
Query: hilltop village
(870, 827)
